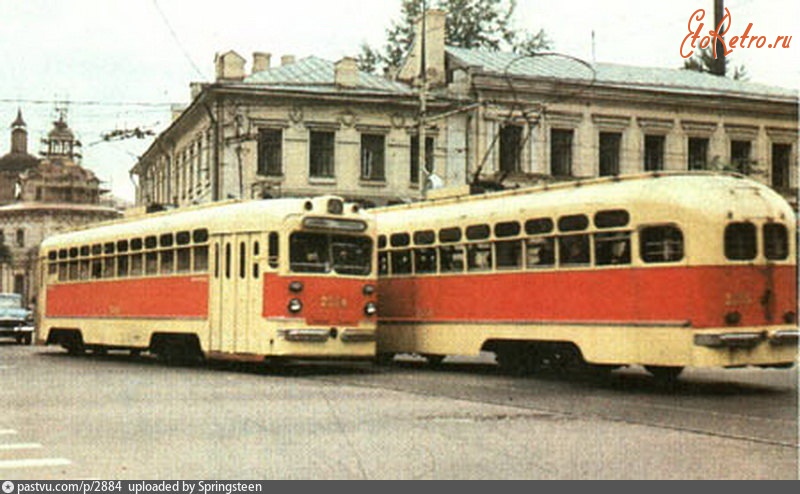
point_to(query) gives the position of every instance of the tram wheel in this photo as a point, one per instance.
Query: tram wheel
(664, 373)
(433, 360)
(518, 359)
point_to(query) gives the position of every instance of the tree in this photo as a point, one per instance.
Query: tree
(470, 24)
(703, 61)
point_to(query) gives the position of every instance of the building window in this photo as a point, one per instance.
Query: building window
(698, 153)
(372, 157)
(561, 152)
(20, 238)
(270, 152)
(510, 148)
(653, 153)
(321, 154)
(609, 153)
(414, 165)
(740, 156)
(781, 157)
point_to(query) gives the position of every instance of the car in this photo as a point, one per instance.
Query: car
(16, 321)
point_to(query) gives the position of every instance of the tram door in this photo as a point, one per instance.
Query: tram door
(236, 293)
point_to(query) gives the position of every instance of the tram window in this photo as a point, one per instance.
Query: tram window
(242, 260)
(97, 269)
(73, 252)
(573, 223)
(425, 237)
(122, 266)
(573, 250)
(136, 244)
(351, 255)
(612, 248)
(73, 270)
(508, 254)
(381, 241)
(167, 261)
(449, 235)
(540, 252)
(108, 267)
(184, 260)
(479, 257)
(740, 241)
(150, 242)
(52, 268)
(425, 260)
(776, 242)
(85, 269)
(151, 263)
(182, 238)
(661, 244)
(216, 260)
(383, 263)
(137, 265)
(63, 271)
(52, 255)
(201, 259)
(166, 240)
(256, 248)
(506, 229)
(108, 248)
(400, 239)
(200, 236)
(451, 259)
(62, 254)
(97, 249)
(256, 251)
(611, 218)
(122, 246)
(401, 261)
(477, 232)
(273, 249)
(228, 260)
(85, 251)
(309, 253)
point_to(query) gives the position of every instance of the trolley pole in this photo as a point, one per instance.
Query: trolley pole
(423, 95)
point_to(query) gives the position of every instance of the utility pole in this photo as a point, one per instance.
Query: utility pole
(718, 65)
(423, 96)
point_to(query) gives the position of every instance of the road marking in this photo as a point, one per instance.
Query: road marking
(34, 463)
(7, 432)
(9, 447)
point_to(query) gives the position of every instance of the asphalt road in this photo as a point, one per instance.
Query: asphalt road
(118, 417)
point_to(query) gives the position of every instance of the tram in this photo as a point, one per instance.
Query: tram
(663, 270)
(253, 280)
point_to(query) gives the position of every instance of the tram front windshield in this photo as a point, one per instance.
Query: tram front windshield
(325, 253)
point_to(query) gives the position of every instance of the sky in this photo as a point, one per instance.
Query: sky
(121, 64)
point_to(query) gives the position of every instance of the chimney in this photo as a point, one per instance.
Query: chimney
(230, 66)
(346, 72)
(261, 61)
(287, 60)
(195, 88)
(434, 50)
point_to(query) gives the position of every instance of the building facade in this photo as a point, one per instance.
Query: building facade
(490, 118)
(42, 196)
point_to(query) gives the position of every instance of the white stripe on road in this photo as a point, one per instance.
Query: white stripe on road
(34, 463)
(7, 432)
(9, 447)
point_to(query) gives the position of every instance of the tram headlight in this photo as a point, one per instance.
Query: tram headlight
(370, 309)
(295, 305)
(296, 286)
(368, 289)
(733, 318)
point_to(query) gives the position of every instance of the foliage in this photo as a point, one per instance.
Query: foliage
(470, 24)
(703, 61)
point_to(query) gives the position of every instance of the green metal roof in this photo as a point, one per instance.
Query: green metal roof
(608, 74)
(315, 74)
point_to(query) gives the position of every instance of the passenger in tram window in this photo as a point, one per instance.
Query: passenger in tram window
(574, 249)
(540, 252)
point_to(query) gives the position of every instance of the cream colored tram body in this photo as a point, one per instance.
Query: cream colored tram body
(281, 278)
(660, 270)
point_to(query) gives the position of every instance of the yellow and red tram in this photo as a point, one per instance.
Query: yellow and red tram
(660, 270)
(281, 278)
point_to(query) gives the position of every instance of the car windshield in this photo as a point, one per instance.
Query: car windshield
(323, 253)
(10, 302)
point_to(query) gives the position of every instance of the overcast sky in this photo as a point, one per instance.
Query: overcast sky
(121, 63)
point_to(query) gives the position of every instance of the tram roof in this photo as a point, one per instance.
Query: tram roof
(232, 216)
(708, 193)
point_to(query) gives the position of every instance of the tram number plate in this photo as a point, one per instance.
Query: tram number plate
(332, 302)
